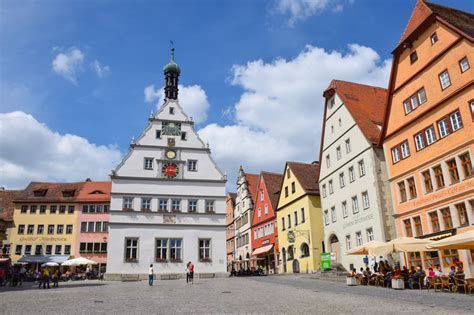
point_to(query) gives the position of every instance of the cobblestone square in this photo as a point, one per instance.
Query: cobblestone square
(276, 294)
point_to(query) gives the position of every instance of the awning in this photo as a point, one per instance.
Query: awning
(41, 259)
(262, 250)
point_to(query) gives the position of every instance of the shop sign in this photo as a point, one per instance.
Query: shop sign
(41, 239)
(325, 260)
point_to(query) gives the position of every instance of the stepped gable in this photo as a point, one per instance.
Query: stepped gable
(273, 184)
(366, 104)
(307, 175)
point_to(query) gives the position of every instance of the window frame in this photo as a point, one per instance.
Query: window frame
(203, 248)
(128, 258)
(440, 80)
(467, 62)
(145, 163)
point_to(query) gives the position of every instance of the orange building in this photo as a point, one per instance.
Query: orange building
(428, 134)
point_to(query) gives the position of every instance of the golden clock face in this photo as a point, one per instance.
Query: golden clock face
(171, 154)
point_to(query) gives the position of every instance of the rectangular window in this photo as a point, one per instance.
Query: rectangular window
(408, 230)
(418, 226)
(31, 229)
(439, 177)
(289, 221)
(92, 209)
(283, 224)
(414, 101)
(38, 249)
(413, 57)
(50, 228)
(326, 217)
(358, 238)
(348, 146)
(40, 229)
(161, 252)
(427, 181)
(90, 227)
(370, 234)
(430, 135)
(365, 200)
(163, 205)
(127, 203)
(27, 249)
(265, 209)
(158, 134)
(296, 217)
(192, 205)
(407, 106)
(21, 229)
(105, 226)
(419, 141)
(293, 187)
(345, 213)
(262, 196)
(361, 168)
(286, 191)
(259, 212)
(331, 189)
(103, 247)
(434, 221)
(303, 219)
(49, 249)
(24, 209)
(443, 127)
(210, 206)
(148, 163)
(204, 250)
(70, 209)
(67, 249)
(324, 191)
(60, 229)
(175, 205)
(33, 209)
(456, 121)
(462, 214)
(351, 174)
(449, 256)
(42, 209)
(62, 209)
(338, 153)
(131, 249)
(348, 242)
(328, 161)
(176, 250)
(403, 191)
(434, 38)
(69, 229)
(355, 205)
(411, 187)
(341, 180)
(18, 249)
(464, 64)
(421, 96)
(52, 209)
(83, 227)
(447, 220)
(57, 249)
(444, 79)
(395, 154)
(405, 149)
(146, 203)
(184, 135)
(466, 165)
(453, 171)
(192, 165)
(333, 214)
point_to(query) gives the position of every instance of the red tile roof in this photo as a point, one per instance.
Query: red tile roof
(252, 185)
(462, 21)
(7, 206)
(95, 192)
(307, 175)
(273, 185)
(365, 103)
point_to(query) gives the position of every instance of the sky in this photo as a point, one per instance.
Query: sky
(78, 79)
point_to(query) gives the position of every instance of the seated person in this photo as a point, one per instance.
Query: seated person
(415, 278)
(438, 271)
(452, 273)
(459, 272)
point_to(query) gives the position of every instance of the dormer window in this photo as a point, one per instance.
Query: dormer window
(434, 38)
(172, 110)
(413, 57)
(40, 192)
(68, 193)
(97, 192)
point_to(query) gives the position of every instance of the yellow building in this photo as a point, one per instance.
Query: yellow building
(299, 219)
(45, 222)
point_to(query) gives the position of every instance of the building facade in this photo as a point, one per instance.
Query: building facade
(93, 222)
(355, 195)
(230, 229)
(299, 219)
(264, 237)
(45, 221)
(7, 208)
(429, 131)
(243, 213)
(168, 198)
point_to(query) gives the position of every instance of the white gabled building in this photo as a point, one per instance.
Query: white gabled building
(355, 196)
(168, 202)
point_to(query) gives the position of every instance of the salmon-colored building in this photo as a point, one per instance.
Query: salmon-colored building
(264, 222)
(428, 134)
(92, 222)
(230, 229)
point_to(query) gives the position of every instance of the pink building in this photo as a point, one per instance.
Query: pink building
(93, 222)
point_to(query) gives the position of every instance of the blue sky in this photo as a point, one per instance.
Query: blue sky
(92, 101)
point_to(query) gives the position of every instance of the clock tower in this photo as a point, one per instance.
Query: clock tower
(168, 203)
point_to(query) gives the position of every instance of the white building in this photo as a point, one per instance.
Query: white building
(243, 214)
(355, 196)
(168, 199)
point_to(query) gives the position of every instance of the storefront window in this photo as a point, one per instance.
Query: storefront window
(449, 256)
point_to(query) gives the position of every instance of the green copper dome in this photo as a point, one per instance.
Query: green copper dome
(172, 66)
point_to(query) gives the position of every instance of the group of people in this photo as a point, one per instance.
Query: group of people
(189, 274)
(13, 276)
(45, 276)
(412, 277)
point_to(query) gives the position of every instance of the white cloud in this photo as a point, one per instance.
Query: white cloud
(299, 10)
(69, 64)
(100, 69)
(192, 98)
(30, 151)
(279, 114)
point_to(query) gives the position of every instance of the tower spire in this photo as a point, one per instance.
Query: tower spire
(171, 71)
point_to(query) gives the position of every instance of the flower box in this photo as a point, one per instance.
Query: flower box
(131, 260)
(398, 284)
(350, 281)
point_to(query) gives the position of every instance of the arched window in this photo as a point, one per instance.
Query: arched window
(304, 250)
(290, 252)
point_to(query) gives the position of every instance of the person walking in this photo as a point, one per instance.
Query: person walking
(45, 277)
(150, 275)
(56, 278)
(190, 272)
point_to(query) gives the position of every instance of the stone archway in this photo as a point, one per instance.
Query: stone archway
(335, 247)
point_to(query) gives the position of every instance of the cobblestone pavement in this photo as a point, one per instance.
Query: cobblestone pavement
(275, 294)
